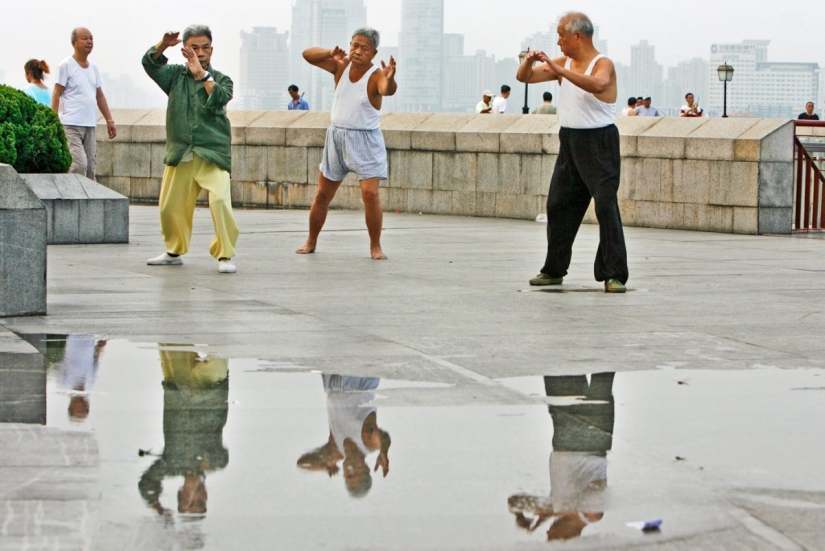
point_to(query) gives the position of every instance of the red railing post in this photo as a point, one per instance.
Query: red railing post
(809, 192)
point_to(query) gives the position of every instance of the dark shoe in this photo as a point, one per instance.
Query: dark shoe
(614, 286)
(544, 279)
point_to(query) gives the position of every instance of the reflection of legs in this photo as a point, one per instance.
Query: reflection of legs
(374, 216)
(216, 181)
(178, 193)
(318, 212)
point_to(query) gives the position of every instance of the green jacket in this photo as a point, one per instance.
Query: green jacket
(195, 120)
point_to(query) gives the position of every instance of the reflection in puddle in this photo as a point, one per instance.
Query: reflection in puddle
(353, 434)
(582, 436)
(570, 458)
(195, 408)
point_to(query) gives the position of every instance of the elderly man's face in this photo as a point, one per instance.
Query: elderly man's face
(84, 41)
(486, 99)
(202, 47)
(361, 50)
(809, 108)
(568, 42)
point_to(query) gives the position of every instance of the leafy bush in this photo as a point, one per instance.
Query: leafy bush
(32, 139)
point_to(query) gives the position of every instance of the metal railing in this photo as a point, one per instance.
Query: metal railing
(809, 176)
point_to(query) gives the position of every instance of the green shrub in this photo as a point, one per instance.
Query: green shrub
(32, 139)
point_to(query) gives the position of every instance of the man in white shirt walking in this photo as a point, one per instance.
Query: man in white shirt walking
(77, 96)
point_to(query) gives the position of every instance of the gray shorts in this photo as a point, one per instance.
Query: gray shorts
(360, 151)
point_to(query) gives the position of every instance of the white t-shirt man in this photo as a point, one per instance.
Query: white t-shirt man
(499, 105)
(78, 103)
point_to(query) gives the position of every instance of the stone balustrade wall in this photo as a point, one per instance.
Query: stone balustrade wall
(724, 175)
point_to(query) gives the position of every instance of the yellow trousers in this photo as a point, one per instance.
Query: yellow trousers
(179, 191)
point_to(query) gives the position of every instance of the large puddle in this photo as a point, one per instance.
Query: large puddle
(198, 451)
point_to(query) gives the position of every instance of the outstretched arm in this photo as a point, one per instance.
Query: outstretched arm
(333, 61)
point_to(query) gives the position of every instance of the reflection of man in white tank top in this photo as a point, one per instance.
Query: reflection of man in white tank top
(589, 163)
(354, 142)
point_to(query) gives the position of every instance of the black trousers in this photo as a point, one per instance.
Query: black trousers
(589, 165)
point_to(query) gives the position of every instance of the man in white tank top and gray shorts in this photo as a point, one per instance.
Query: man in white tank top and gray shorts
(354, 142)
(589, 163)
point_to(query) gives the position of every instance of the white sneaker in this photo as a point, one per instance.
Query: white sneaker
(165, 260)
(226, 266)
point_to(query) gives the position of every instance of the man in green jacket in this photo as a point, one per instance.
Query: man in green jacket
(198, 146)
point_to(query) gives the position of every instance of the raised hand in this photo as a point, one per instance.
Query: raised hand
(383, 462)
(193, 63)
(170, 39)
(389, 70)
(534, 55)
(339, 55)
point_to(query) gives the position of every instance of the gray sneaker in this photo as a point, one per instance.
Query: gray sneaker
(165, 260)
(544, 279)
(614, 286)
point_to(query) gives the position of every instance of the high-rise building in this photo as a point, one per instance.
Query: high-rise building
(760, 88)
(324, 23)
(264, 74)
(467, 76)
(645, 74)
(420, 52)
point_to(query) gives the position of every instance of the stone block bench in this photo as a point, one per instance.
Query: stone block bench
(79, 210)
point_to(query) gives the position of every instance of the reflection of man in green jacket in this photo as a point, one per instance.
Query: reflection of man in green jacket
(198, 146)
(195, 407)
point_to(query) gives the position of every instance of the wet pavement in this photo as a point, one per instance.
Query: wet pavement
(433, 401)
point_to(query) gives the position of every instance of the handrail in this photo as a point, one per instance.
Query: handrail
(809, 176)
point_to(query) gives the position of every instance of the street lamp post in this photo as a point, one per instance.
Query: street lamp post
(524, 110)
(725, 73)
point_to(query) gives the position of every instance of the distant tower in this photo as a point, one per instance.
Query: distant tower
(264, 68)
(324, 23)
(646, 76)
(420, 82)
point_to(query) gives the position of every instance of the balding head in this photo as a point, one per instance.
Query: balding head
(577, 23)
(82, 41)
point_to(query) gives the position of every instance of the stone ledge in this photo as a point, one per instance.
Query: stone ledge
(79, 210)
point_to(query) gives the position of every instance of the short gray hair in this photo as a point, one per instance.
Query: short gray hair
(578, 23)
(368, 32)
(196, 30)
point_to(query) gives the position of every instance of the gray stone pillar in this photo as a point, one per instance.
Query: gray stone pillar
(22, 248)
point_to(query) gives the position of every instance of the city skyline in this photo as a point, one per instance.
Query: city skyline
(791, 28)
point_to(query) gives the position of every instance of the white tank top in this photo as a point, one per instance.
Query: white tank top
(351, 107)
(580, 109)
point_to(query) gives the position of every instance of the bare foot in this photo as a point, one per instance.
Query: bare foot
(377, 253)
(306, 249)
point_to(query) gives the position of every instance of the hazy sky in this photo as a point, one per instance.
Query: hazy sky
(678, 30)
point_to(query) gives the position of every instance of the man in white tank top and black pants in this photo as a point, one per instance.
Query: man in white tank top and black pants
(354, 142)
(589, 163)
